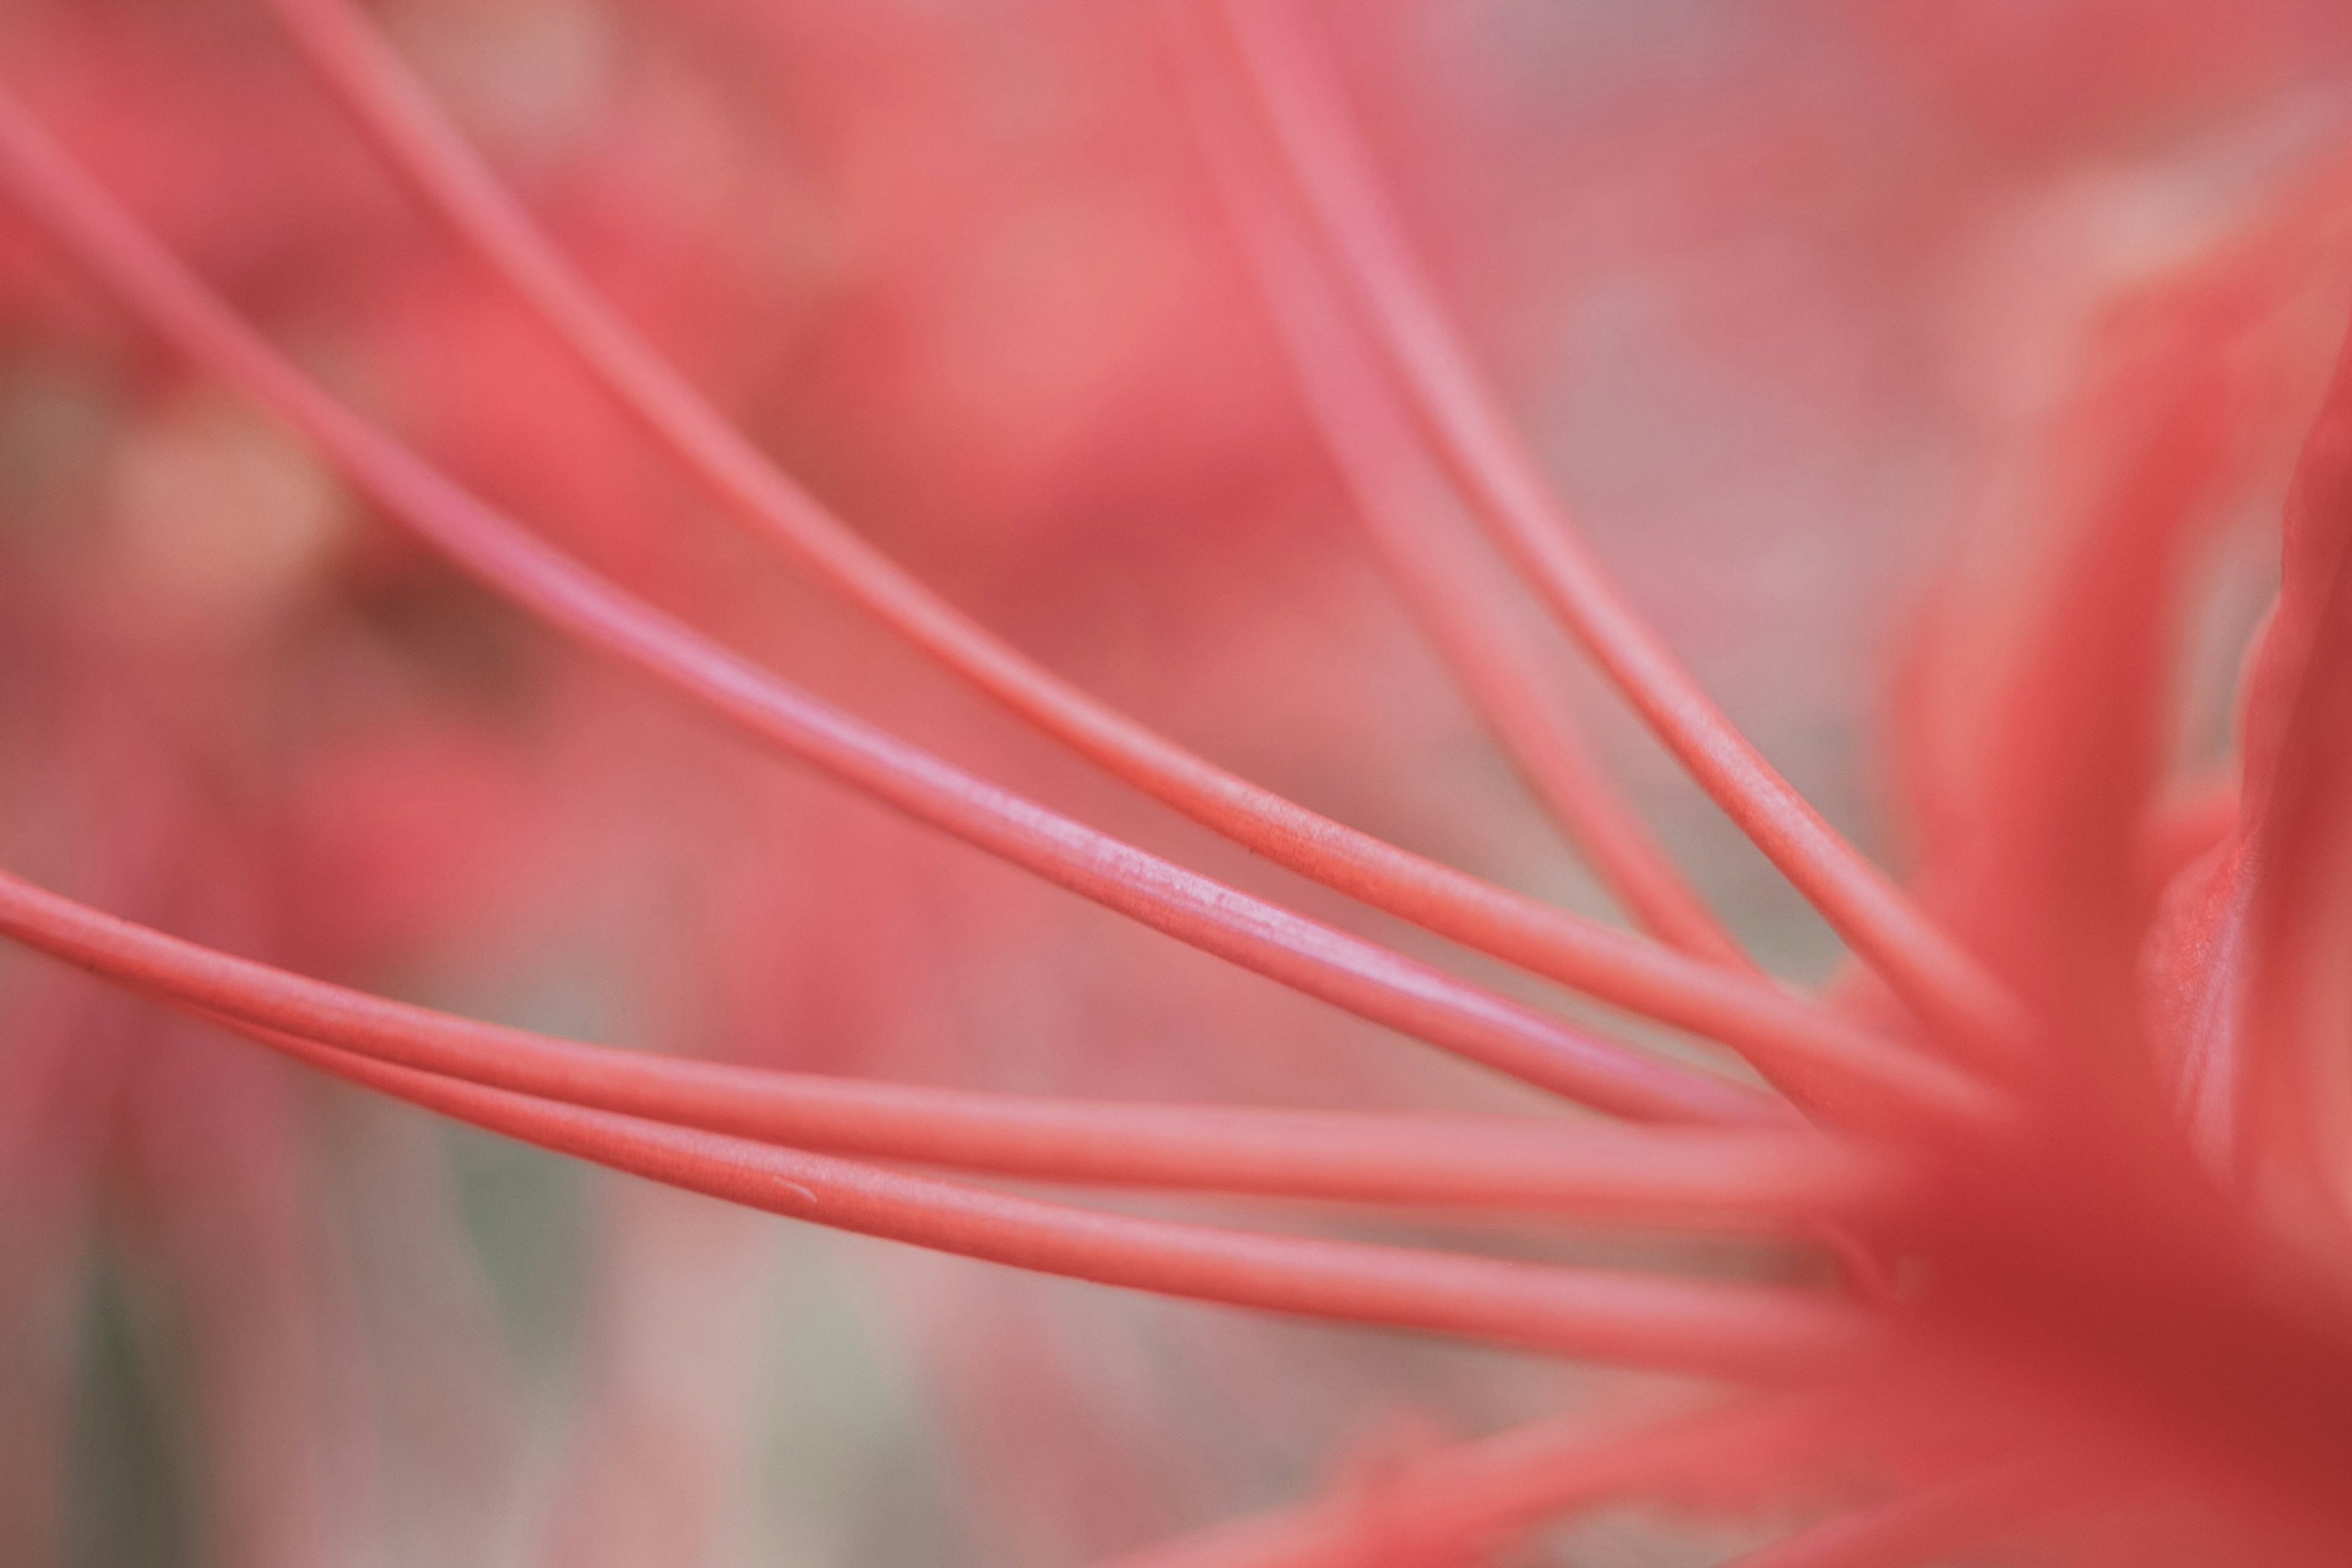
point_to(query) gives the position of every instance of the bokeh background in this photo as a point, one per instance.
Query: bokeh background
(1784, 293)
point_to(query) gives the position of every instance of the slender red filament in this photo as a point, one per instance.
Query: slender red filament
(1344, 970)
(1945, 985)
(1875, 1080)
(1746, 1332)
(457, 187)
(1401, 497)
(1504, 1162)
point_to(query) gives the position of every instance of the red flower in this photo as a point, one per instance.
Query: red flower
(2045, 1201)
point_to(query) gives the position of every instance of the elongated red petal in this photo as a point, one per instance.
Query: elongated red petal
(2240, 908)
(2299, 857)
(2073, 764)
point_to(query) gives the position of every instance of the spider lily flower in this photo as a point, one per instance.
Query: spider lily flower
(2025, 1234)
